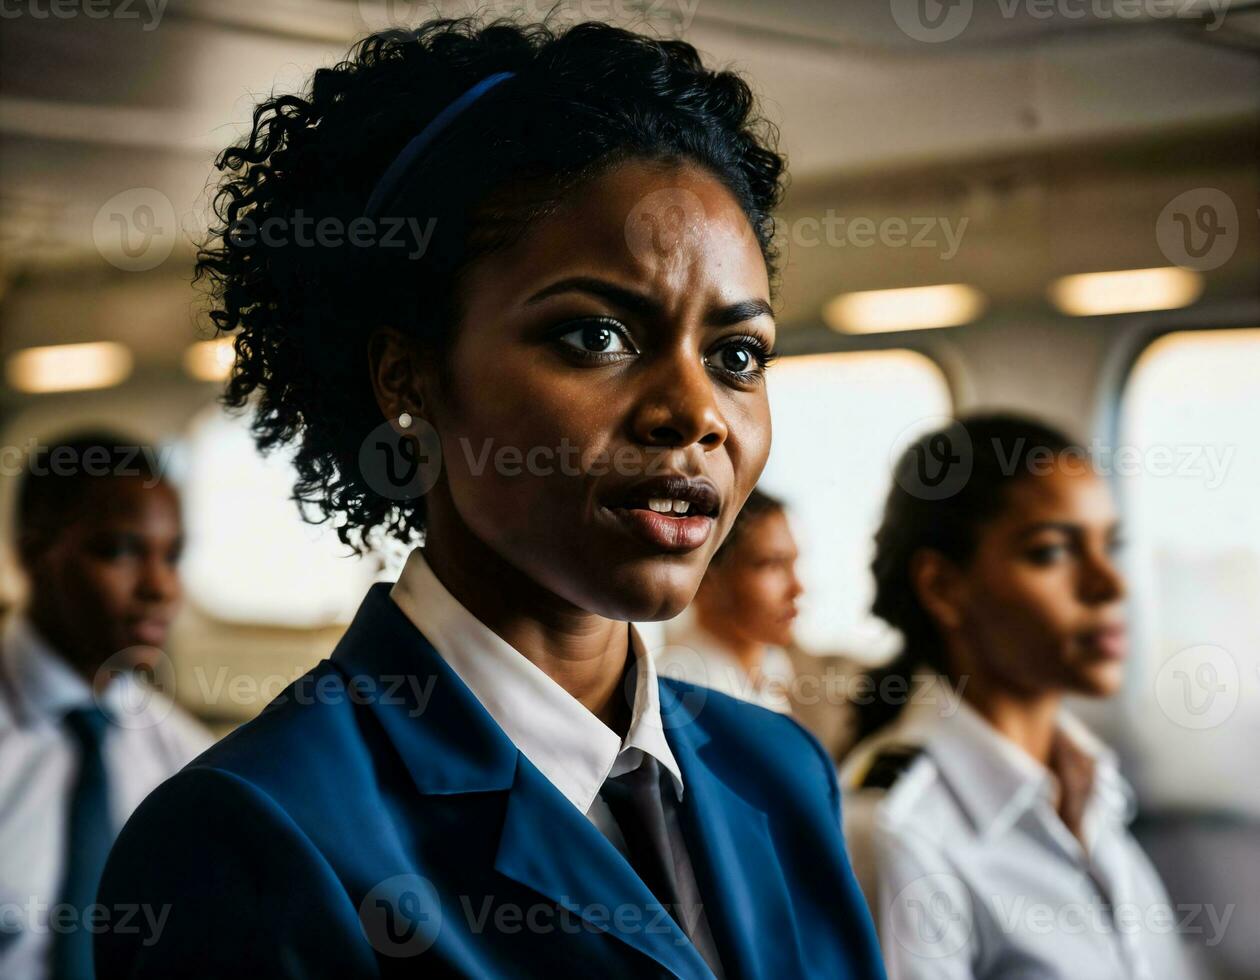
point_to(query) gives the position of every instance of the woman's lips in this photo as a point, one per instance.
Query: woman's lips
(669, 532)
(1111, 642)
(150, 632)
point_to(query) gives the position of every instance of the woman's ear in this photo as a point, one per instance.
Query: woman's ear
(398, 379)
(937, 583)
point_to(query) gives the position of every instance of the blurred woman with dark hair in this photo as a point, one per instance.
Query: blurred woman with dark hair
(978, 810)
(734, 635)
(737, 636)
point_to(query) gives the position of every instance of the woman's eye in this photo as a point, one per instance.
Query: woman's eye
(744, 357)
(1047, 554)
(598, 337)
(737, 359)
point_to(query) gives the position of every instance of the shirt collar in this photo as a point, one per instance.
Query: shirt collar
(556, 732)
(1111, 789)
(997, 780)
(44, 685)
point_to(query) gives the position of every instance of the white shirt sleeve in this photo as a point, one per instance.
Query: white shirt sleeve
(923, 910)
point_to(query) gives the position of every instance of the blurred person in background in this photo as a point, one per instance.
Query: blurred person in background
(487, 777)
(988, 827)
(83, 739)
(737, 634)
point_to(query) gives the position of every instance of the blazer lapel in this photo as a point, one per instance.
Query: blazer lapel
(732, 852)
(548, 846)
(445, 738)
(450, 744)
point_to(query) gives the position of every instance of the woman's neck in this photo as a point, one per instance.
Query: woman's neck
(1032, 723)
(582, 652)
(1028, 720)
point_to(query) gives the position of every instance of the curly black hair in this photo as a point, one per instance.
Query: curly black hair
(583, 99)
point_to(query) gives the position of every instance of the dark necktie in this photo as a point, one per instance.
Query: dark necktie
(635, 801)
(88, 839)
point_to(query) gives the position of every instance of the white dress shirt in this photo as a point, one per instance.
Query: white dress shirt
(971, 872)
(556, 732)
(695, 655)
(564, 740)
(150, 740)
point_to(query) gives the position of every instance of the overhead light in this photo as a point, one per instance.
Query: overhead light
(210, 360)
(68, 367)
(915, 308)
(1126, 291)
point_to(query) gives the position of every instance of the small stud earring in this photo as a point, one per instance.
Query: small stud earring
(404, 420)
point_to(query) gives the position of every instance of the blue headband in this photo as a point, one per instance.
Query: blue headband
(387, 186)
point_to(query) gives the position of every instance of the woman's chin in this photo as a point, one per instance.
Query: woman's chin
(649, 608)
(1100, 680)
(644, 598)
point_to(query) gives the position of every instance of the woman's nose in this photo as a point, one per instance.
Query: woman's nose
(1104, 581)
(678, 406)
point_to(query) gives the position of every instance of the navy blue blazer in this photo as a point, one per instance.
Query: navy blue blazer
(375, 821)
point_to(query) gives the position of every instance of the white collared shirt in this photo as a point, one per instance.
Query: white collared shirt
(149, 741)
(971, 872)
(555, 731)
(695, 655)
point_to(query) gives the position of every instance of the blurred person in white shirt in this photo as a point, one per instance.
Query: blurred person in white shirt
(83, 738)
(988, 828)
(733, 637)
(737, 635)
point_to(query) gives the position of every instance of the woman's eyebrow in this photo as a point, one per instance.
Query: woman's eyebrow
(643, 305)
(747, 309)
(1063, 527)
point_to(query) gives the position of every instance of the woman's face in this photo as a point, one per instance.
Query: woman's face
(1041, 607)
(751, 592)
(617, 344)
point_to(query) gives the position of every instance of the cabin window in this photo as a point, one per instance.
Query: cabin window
(250, 557)
(1189, 485)
(839, 421)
